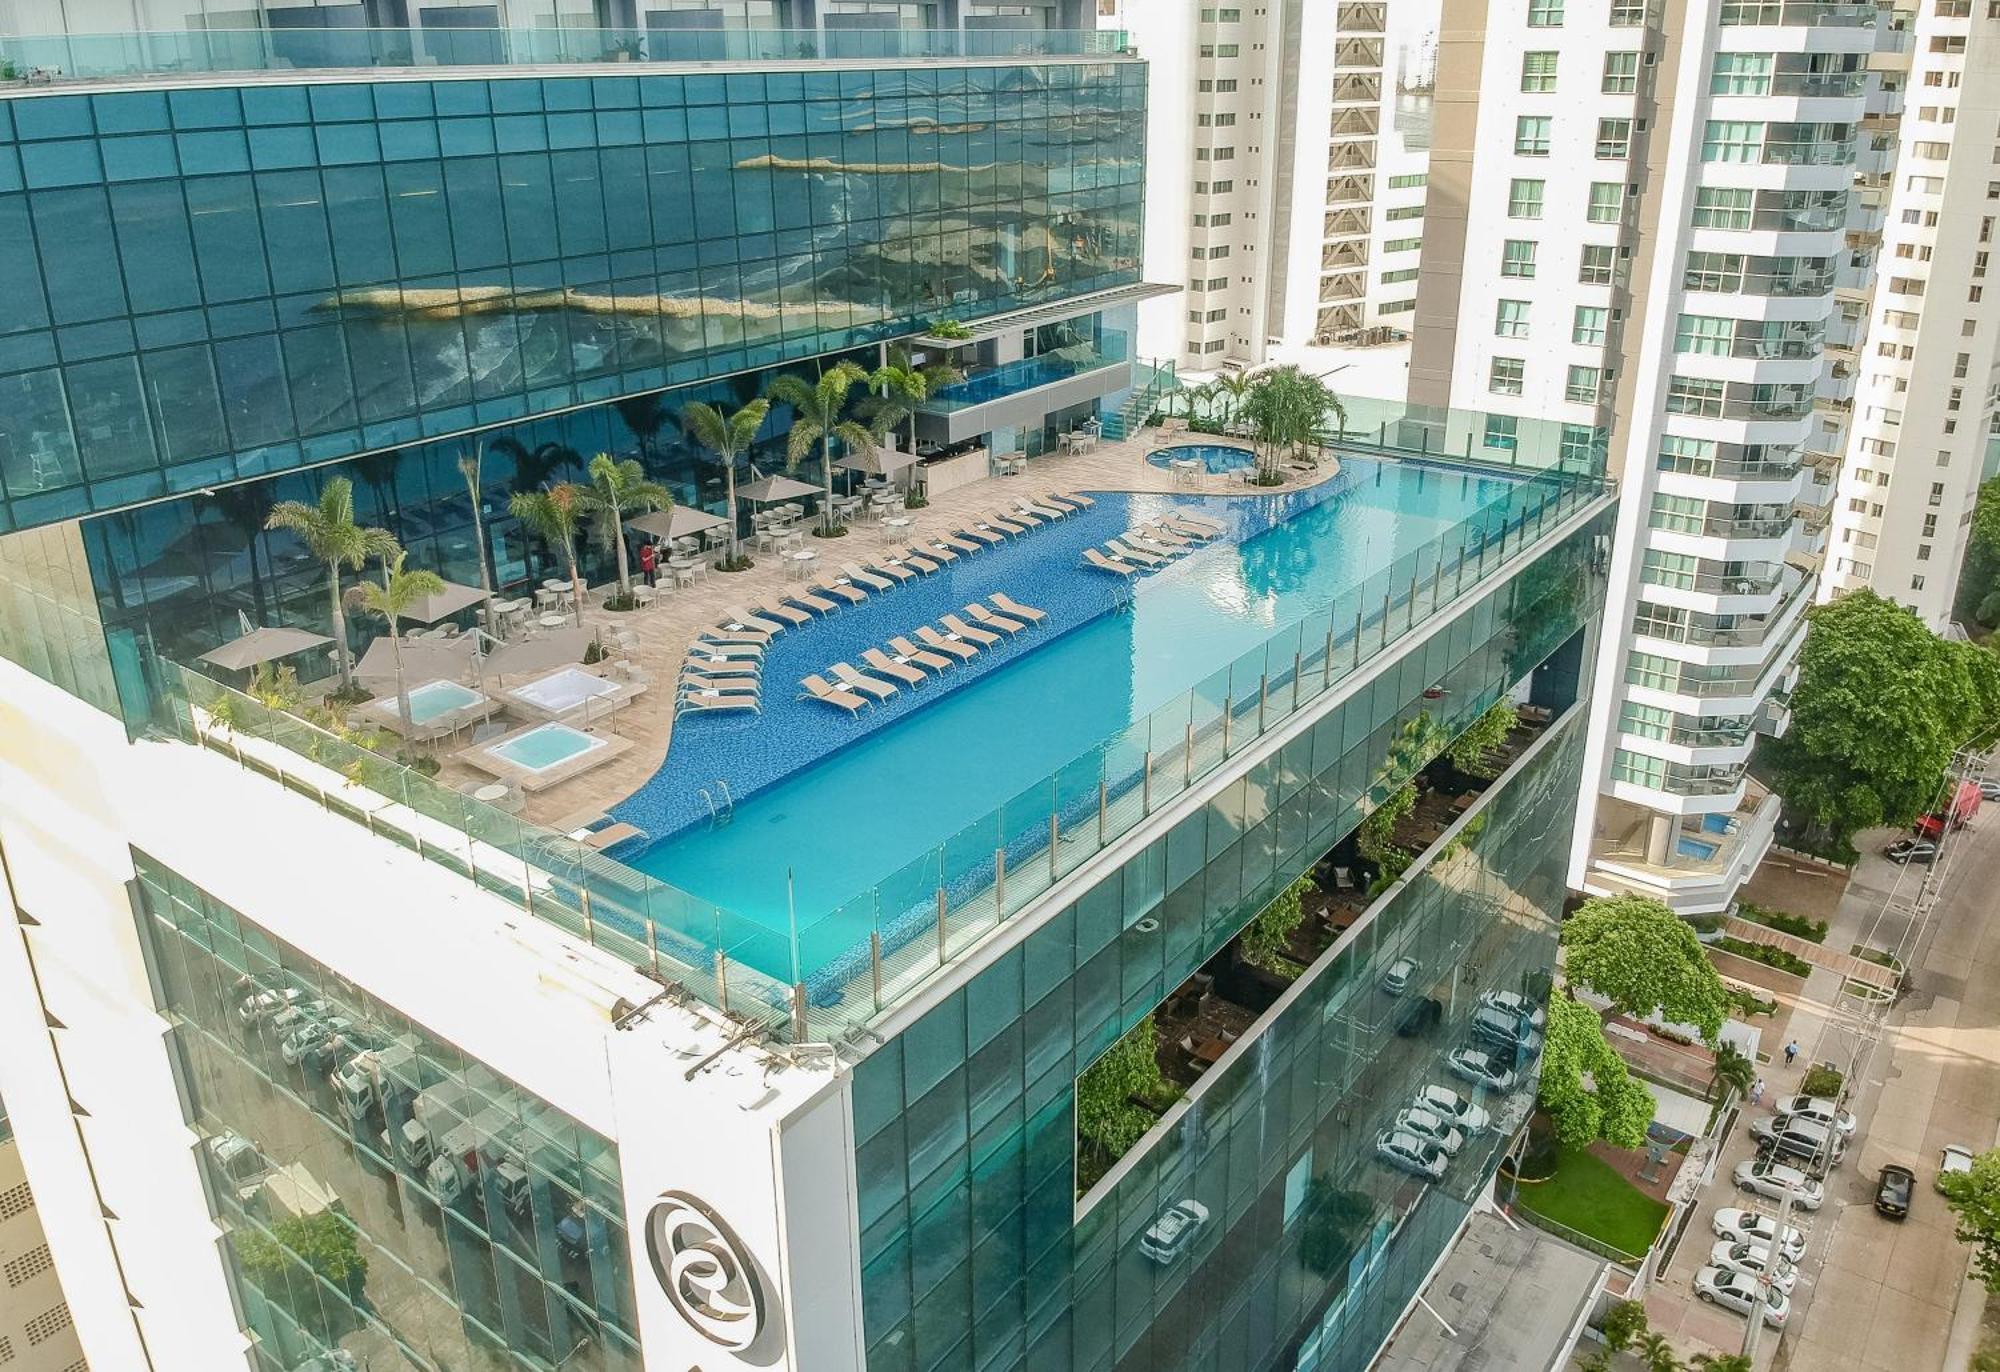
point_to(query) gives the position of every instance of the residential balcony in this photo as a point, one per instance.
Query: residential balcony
(1021, 392)
(1797, 14)
(1695, 866)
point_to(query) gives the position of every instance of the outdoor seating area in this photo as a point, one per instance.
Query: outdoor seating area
(953, 640)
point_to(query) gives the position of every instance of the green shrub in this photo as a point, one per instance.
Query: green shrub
(1769, 956)
(1798, 926)
(1821, 1081)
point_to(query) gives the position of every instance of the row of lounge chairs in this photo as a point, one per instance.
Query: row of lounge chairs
(1150, 546)
(952, 641)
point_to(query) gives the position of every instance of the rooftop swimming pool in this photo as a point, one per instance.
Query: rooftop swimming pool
(1217, 458)
(828, 807)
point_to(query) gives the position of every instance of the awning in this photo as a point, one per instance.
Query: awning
(766, 489)
(449, 601)
(682, 521)
(260, 646)
(1015, 320)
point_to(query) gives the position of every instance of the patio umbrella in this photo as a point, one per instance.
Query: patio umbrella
(424, 659)
(453, 598)
(558, 648)
(766, 489)
(679, 522)
(884, 461)
(259, 646)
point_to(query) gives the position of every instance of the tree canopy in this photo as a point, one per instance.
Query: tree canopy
(1264, 941)
(1613, 1107)
(1107, 1119)
(1974, 1198)
(1645, 959)
(1979, 578)
(1881, 704)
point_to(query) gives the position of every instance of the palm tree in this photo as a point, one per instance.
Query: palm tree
(555, 515)
(617, 489)
(1733, 1070)
(391, 599)
(727, 436)
(820, 415)
(901, 384)
(1728, 1362)
(643, 417)
(1233, 388)
(534, 466)
(1657, 1353)
(468, 467)
(330, 534)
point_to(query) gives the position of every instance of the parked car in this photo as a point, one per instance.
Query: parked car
(1514, 1003)
(309, 1036)
(1424, 1124)
(1738, 1291)
(1418, 1156)
(1772, 1180)
(1907, 850)
(1448, 1104)
(1480, 1068)
(1786, 1136)
(1738, 1225)
(1953, 1159)
(1504, 1030)
(1819, 1110)
(240, 1164)
(1894, 1190)
(1753, 1258)
(260, 1005)
(1169, 1236)
(1396, 976)
(1989, 790)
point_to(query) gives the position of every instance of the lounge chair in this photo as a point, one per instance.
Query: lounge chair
(819, 688)
(1007, 605)
(708, 648)
(980, 534)
(1197, 521)
(818, 604)
(860, 575)
(925, 563)
(1161, 532)
(931, 638)
(938, 552)
(986, 619)
(1007, 526)
(840, 590)
(890, 567)
(923, 657)
(861, 681)
(985, 638)
(1109, 564)
(889, 667)
(741, 621)
(1022, 515)
(1075, 498)
(735, 637)
(1029, 507)
(1118, 548)
(1060, 502)
(790, 614)
(956, 542)
(720, 685)
(715, 701)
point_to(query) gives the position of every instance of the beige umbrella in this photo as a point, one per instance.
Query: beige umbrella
(679, 522)
(449, 601)
(559, 648)
(424, 659)
(766, 489)
(884, 461)
(259, 646)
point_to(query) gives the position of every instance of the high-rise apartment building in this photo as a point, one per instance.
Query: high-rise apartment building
(37, 1333)
(1924, 402)
(641, 984)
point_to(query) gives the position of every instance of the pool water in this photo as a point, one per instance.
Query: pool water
(560, 692)
(436, 699)
(851, 802)
(1216, 457)
(540, 749)
(1696, 849)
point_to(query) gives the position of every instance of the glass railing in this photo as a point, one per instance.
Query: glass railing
(98, 55)
(1797, 13)
(1012, 378)
(909, 925)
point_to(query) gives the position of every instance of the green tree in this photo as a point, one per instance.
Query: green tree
(1733, 1070)
(1264, 941)
(391, 599)
(1335, 1219)
(333, 539)
(728, 436)
(1645, 959)
(1376, 839)
(1978, 596)
(324, 1244)
(1723, 1362)
(1974, 1198)
(469, 467)
(1613, 1107)
(643, 417)
(555, 516)
(900, 385)
(534, 466)
(618, 489)
(1287, 410)
(1657, 1353)
(1468, 751)
(1107, 1119)
(1881, 705)
(820, 414)
(1624, 1324)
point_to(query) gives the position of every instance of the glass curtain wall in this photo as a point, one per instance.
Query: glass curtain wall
(382, 1194)
(972, 1252)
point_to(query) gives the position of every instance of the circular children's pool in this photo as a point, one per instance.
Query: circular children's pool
(1216, 457)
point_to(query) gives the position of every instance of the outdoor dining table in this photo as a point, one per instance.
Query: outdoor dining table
(800, 562)
(896, 523)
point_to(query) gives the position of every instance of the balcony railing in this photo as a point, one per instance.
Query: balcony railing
(197, 52)
(1012, 378)
(1797, 14)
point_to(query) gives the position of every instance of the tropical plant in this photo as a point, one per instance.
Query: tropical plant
(643, 417)
(1334, 1221)
(391, 599)
(1657, 1353)
(1974, 1198)
(1645, 959)
(324, 1244)
(1722, 1362)
(1625, 1323)
(617, 489)
(555, 515)
(1821, 1080)
(242, 506)
(331, 536)
(1287, 411)
(533, 467)
(1468, 752)
(1733, 1070)
(1614, 1107)
(819, 416)
(728, 436)
(900, 385)
(1108, 1120)
(1265, 939)
(948, 328)
(469, 467)
(1376, 839)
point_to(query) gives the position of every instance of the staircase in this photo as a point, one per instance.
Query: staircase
(1150, 381)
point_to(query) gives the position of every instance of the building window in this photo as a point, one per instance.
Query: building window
(1607, 202)
(1545, 14)
(1621, 73)
(1408, 182)
(1722, 207)
(1401, 244)
(1531, 135)
(1524, 198)
(1511, 319)
(1398, 276)
(1502, 432)
(1517, 258)
(1588, 328)
(1694, 456)
(1741, 73)
(1695, 395)
(1628, 14)
(1732, 140)
(1582, 385)
(1714, 271)
(1597, 264)
(1614, 138)
(1538, 73)
(1580, 445)
(1506, 376)
(1704, 335)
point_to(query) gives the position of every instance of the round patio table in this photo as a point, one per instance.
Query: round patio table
(800, 562)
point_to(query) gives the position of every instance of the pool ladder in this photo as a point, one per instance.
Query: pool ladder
(720, 814)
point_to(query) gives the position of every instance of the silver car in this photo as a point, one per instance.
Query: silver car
(1169, 1235)
(1773, 1180)
(1818, 1109)
(1417, 1156)
(1446, 1103)
(1738, 1291)
(1752, 1259)
(1739, 1225)
(1426, 1125)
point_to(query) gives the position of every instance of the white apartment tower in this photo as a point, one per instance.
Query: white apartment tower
(1642, 219)
(1924, 405)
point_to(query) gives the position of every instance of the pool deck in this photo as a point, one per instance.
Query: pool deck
(664, 630)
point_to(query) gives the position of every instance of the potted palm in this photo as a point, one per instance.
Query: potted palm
(332, 538)
(618, 489)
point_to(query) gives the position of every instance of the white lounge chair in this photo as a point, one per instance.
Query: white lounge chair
(861, 681)
(716, 703)
(1109, 564)
(819, 688)
(1007, 605)
(986, 619)
(860, 576)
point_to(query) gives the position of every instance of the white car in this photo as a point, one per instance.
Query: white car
(1751, 1259)
(1480, 1068)
(1738, 1291)
(1755, 1226)
(1426, 1125)
(1446, 1103)
(1169, 1235)
(1514, 1004)
(309, 1036)
(1953, 1159)
(1396, 976)
(267, 1003)
(1817, 1109)
(1417, 1156)
(1772, 1180)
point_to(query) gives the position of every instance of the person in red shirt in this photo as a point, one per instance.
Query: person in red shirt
(649, 562)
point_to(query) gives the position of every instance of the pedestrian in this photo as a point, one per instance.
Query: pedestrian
(1791, 1052)
(1757, 1092)
(649, 562)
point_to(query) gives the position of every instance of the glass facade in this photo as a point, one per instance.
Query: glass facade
(973, 1253)
(212, 284)
(381, 1193)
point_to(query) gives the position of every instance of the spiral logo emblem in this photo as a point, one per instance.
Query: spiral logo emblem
(705, 1271)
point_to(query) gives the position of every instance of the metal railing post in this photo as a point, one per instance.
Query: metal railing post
(582, 901)
(722, 981)
(1263, 695)
(1146, 784)
(1055, 837)
(1001, 886)
(1228, 709)
(1103, 804)
(1388, 608)
(1298, 670)
(875, 963)
(1187, 758)
(798, 1012)
(1326, 660)
(653, 944)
